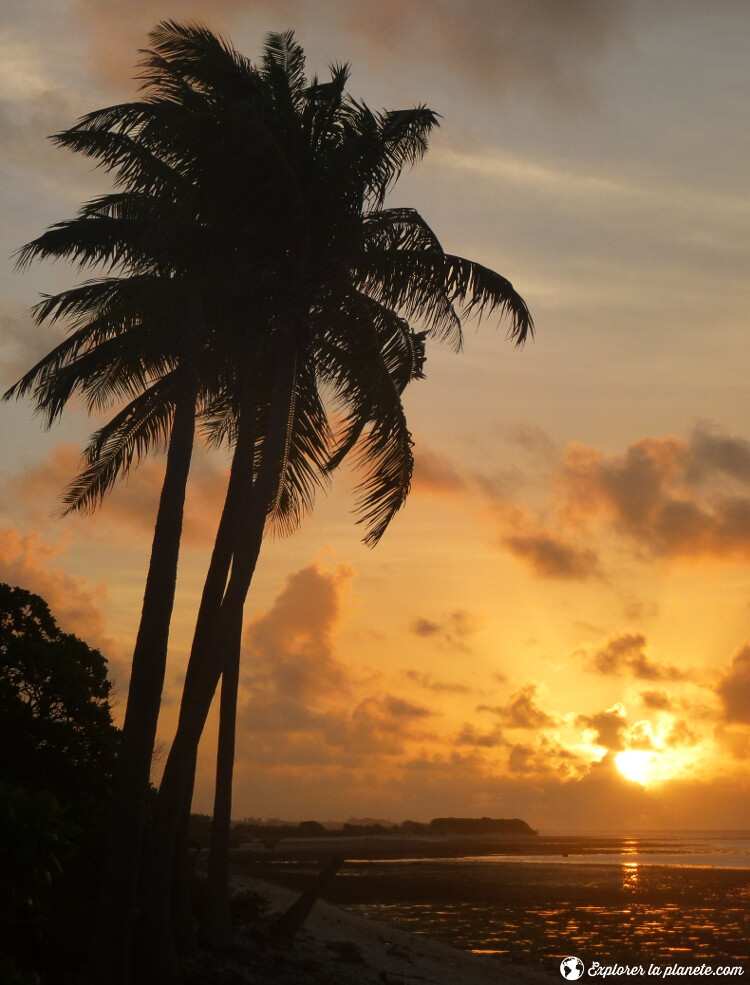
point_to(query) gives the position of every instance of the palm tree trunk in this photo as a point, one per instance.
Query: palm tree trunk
(156, 952)
(109, 952)
(217, 640)
(216, 916)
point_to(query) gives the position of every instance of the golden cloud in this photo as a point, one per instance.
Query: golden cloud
(625, 654)
(30, 562)
(521, 711)
(132, 503)
(669, 498)
(299, 699)
(734, 688)
(664, 494)
(549, 553)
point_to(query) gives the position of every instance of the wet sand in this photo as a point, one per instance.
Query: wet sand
(530, 914)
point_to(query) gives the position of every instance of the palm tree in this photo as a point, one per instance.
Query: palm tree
(261, 196)
(347, 276)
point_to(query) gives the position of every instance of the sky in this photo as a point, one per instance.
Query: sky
(557, 625)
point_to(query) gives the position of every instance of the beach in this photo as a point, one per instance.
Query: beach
(338, 947)
(519, 912)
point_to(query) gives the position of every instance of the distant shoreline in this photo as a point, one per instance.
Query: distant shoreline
(398, 846)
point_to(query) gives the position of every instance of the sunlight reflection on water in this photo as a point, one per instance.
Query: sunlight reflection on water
(660, 932)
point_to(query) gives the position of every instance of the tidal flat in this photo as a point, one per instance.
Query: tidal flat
(534, 903)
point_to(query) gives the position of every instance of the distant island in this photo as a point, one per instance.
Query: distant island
(439, 827)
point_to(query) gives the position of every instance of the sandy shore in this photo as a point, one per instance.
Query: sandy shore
(339, 948)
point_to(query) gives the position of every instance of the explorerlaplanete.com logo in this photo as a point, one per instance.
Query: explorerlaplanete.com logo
(571, 968)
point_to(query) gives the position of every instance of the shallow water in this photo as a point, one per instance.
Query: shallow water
(657, 899)
(539, 910)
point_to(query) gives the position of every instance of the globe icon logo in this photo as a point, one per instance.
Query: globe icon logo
(571, 968)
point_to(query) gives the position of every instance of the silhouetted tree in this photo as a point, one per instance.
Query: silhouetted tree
(265, 282)
(57, 752)
(56, 730)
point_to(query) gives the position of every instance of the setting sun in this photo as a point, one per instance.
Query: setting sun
(636, 765)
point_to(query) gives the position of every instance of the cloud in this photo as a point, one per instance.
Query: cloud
(734, 688)
(713, 451)
(668, 498)
(289, 649)
(300, 703)
(23, 341)
(680, 734)
(546, 759)
(521, 711)
(625, 654)
(550, 557)
(549, 554)
(608, 727)
(452, 630)
(656, 700)
(132, 503)
(667, 495)
(531, 438)
(428, 682)
(503, 44)
(532, 47)
(470, 735)
(28, 561)
(436, 474)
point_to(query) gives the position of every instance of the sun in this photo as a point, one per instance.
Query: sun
(636, 765)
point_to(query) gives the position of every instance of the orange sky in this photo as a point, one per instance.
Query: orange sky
(570, 578)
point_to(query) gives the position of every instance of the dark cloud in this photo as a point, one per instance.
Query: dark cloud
(521, 759)
(668, 495)
(396, 707)
(550, 553)
(521, 711)
(713, 451)
(609, 726)
(452, 630)
(734, 688)
(430, 683)
(285, 731)
(547, 759)
(549, 556)
(625, 654)
(735, 740)
(656, 700)
(470, 735)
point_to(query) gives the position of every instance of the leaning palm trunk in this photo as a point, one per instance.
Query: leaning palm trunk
(217, 639)
(216, 915)
(157, 944)
(108, 959)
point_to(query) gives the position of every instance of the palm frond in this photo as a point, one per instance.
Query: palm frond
(141, 426)
(481, 290)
